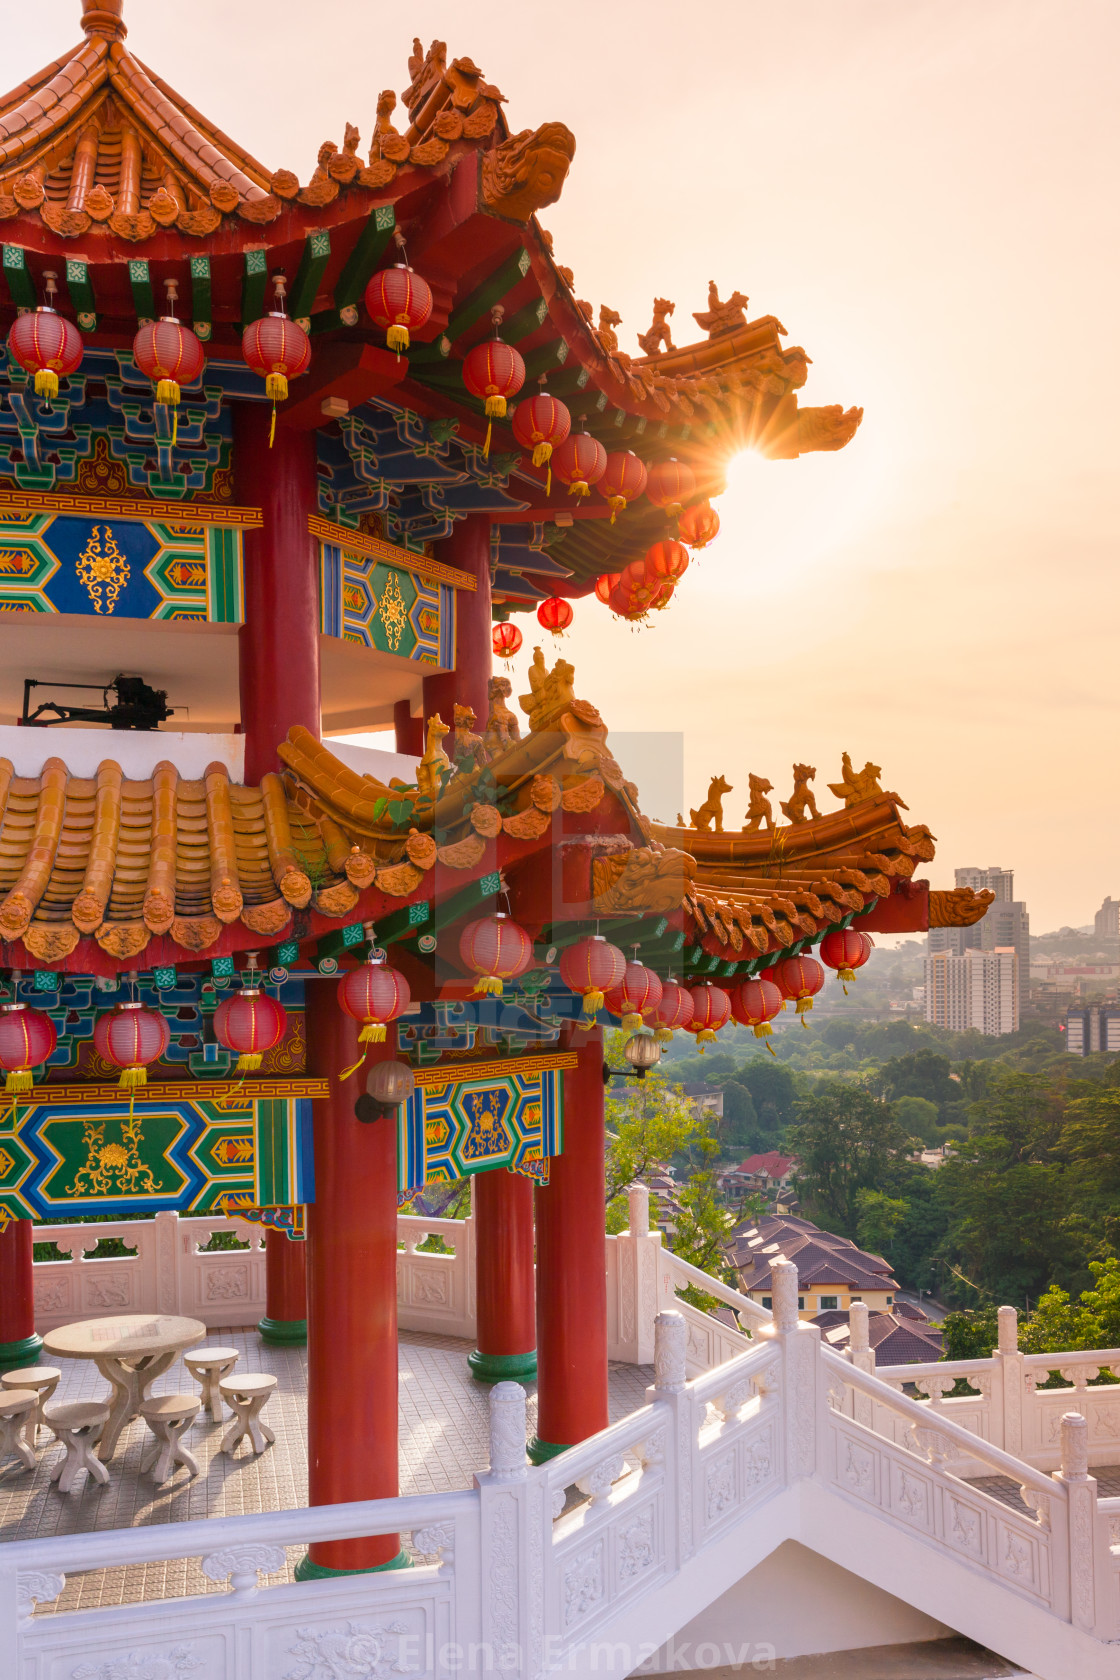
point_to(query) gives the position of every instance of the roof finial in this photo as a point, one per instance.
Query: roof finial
(104, 18)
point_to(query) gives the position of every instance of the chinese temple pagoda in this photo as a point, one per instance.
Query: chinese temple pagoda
(286, 459)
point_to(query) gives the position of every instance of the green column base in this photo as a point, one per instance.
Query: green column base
(24, 1352)
(306, 1570)
(541, 1451)
(503, 1367)
(283, 1332)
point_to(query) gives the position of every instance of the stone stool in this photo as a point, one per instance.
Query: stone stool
(17, 1411)
(78, 1428)
(248, 1396)
(209, 1366)
(44, 1379)
(168, 1416)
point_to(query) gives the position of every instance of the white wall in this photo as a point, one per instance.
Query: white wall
(372, 761)
(799, 1604)
(136, 751)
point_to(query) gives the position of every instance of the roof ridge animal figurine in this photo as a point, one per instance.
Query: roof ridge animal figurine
(609, 319)
(759, 810)
(857, 785)
(434, 761)
(722, 317)
(467, 743)
(802, 797)
(712, 808)
(658, 334)
(502, 726)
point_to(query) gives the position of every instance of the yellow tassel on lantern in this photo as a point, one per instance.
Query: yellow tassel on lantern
(46, 383)
(131, 1077)
(617, 505)
(276, 387)
(631, 1023)
(20, 1079)
(579, 488)
(495, 408)
(397, 339)
(707, 1036)
(249, 1061)
(168, 392)
(488, 985)
(372, 1033)
(664, 1035)
(592, 1003)
(763, 1030)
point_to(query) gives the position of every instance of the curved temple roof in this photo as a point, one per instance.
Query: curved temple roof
(96, 870)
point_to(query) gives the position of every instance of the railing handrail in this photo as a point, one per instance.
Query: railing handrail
(1082, 1356)
(715, 1286)
(973, 1446)
(935, 1368)
(102, 1548)
(617, 1436)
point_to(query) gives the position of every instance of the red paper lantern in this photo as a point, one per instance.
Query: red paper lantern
(711, 1010)
(699, 525)
(555, 614)
(623, 601)
(641, 589)
(845, 950)
(670, 484)
(28, 1038)
(666, 562)
(249, 1023)
(800, 978)
(604, 585)
(579, 463)
(592, 968)
(541, 424)
(507, 638)
(494, 372)
(637, 994)
(47, 345)
(400, 302)
(497, 949)
(131, 1038)
(373, 994)
(623, 480)
(754, 1003)
(279, 350)
(170, 355)
(674, 1010)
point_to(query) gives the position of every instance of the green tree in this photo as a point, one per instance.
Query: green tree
(773, 1090)
(881, 1218)
(846, 1140)
(740, 1121)
(920, 1117)
(970, 1334)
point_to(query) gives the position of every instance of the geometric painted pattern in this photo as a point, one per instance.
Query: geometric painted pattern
(377, 605)
(452, 1128)
(187, 571)
(184, 1155)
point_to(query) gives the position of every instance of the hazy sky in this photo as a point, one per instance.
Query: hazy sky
(923, 191)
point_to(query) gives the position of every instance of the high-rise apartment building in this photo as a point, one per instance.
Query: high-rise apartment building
(978, 989)
(1106, 922)
(1006, 924)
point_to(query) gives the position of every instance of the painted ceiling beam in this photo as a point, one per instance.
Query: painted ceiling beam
(254, 280)
(365, 257)
(312, 266)
(143, 297)
(478, 304)
(81, 293)
(200, 296)
(16, 272)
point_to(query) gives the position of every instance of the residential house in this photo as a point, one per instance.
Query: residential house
(832, 1271)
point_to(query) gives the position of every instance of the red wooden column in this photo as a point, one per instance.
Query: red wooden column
(504, 1284)
(19, 1344)
(468, 549)
(351, 1295)
(279, 679)
(409, 730)
(571, 1264)
(503, 1212)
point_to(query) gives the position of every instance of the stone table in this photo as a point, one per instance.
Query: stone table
(131, 1351)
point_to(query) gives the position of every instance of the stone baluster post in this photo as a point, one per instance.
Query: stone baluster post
(513, 1522)
(862, 1356)
(1083, 1522)
(802, 1391)
(635, 1280)
(1009, 1388)
(680, 1452)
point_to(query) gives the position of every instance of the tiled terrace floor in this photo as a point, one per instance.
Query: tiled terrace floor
(443, 1440)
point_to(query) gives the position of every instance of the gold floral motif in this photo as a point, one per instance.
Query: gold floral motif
(112, 1166)
(103, 570)
(394, 613)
